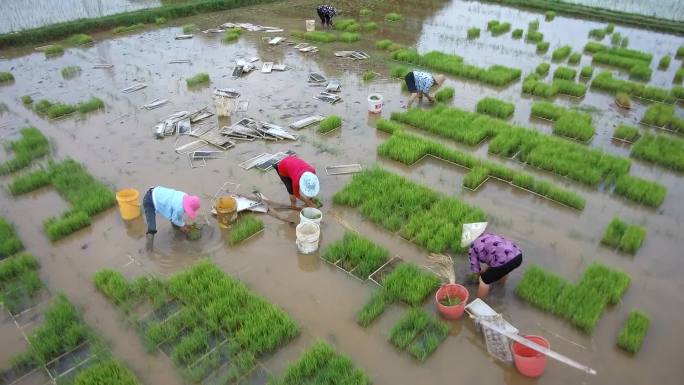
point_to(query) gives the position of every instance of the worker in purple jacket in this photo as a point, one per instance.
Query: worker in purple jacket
(500, 255)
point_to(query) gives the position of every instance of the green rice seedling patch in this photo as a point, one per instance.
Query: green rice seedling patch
(348, 25)
(190, 28)
(680, 52)
(108, 372)
(27, 100)
(19, 282)
(561, 53)
(533, 25)
(640, 72)
(662, 150)
(320, 36)
(388, 126)
(624, 237)
(582, 303)
(543, 47)
(419, 333)
(70, 71)
(393, 17)
(79, 39)
(321, 364)
(564, 73)
(365, 12)
(10, 243)
(574, 58)
(377, 304)
(663, 116)
(128, 28)
(410, 284)
(55, 110)
(534, 86)
(473, 33)
(6, 77)
(53, 50)
(495, 108)
(356, 254)
(610, 28)
(568, 87)
(678, 92)
(628, 134)
(547, 111)
(92, 104)
(408, 149)
(445, 94)
(213, 306)
(586, 72)
(605, 81)
(495, 75)
(231, 35)
(160, 20)
(349, 37)
(679, 77)
(368, 75)
(499, 28)
(72, 181)
(244, 228)
(383, 44)
(633, 333)
(549, 15)
(31, 146)
(199, 79)
(574, 125)
(329, 124)
(664, 62)
(542, 69)
(597, 33)
(593, 48)
(517, 33)
(536, 37)
(370, 26)
(645, 192)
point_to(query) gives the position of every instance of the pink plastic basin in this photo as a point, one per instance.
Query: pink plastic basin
(452, 290)
(530, 362)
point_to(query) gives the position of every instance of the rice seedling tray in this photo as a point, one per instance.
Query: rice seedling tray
(23, 368)
(632, 335)
(356, 255)
(67, 361)
(429, 340)
(163, 313)
(419, 333)
(379, 275)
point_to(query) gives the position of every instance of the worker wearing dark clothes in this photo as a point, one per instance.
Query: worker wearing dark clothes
(326, 13)
(299, 179)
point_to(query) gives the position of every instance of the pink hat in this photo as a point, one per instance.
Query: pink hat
(191, 203)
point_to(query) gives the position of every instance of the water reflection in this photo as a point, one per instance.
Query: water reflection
(21, 14)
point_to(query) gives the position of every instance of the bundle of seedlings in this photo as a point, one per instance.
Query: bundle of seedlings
(349, 37)
(231, 35)
(605, 81)
(549, 15)
(543, 46)
(321, 364)
(445, 94)
(365, 12)
(534, 37)
(443, 267)
(79, 39)
(27, 100)
(499, 28)
(624, 237)
(347, 25)
(393, 17)
(495, 108)
(199, 79)
(128, 28)
(356, 254)
(627, 133)
(6, 77)
(53, 50)
(664, 62)
(473, 33)
(368, 75)
(533, 25)
(623, 100)
(542, 69)
(574, 58)
(70, 71)
(10, 243)
(517, 33)
(32, 145)
(663, 150)
(597, 33)
(586, 72)
(561, 53)
(633, 333)
(533, 85)
(641, 191)
(679, 77)
(565, 73)
(581, 304)
(329, 124)
(245, 227)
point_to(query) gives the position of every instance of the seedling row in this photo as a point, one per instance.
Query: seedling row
(409, 149)
(202, 319)
(244, 228)
(663, 116)
(533, 85)
(496, 75)
(31, 146)
(581, 304)
(54, 110)
(356, 255)
(568, 123)
(634, 332)
(419, 333)
(660, 149)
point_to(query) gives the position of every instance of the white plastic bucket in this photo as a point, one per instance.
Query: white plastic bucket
(225, 106)
(375, 103)
(310, 25)
(310, 214)
(308, 234)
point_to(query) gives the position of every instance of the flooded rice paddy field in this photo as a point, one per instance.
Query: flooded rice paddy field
(119, 148)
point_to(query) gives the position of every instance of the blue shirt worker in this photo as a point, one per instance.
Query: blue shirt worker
(419, 84)
(172, 205)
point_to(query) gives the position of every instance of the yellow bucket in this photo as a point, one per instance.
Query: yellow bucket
(129, 207)
(225, 211)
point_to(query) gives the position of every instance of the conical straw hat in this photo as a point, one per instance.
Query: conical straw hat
(471, 231)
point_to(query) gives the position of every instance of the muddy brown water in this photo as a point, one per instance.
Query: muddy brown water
(118, 147)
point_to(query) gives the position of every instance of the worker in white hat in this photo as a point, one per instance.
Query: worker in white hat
(500, 255)
(299, 179)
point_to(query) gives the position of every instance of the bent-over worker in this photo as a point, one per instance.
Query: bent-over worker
(326, 13)
(172, 205)
(419, 84)
(299, 179)
(500, 255)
